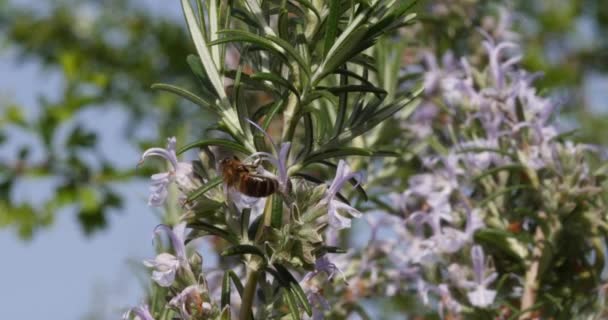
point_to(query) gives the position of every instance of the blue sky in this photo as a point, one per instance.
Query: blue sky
(61, 274)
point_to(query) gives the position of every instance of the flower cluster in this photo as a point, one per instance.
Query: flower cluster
(492, 184)
(195, 292)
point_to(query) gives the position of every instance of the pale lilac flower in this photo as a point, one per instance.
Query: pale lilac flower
(451, 240)
(480, 295)
(447, 301)
(422, 119)
(442, 290)
(479, 160)
(180, 172)
(313, 288)
(419, 251)
(426, 184)
(423, 289)
(316, 299)
(323, 264)
(435, 76)
(192, 293)
(166, 265)
(498, 68)
(439, 210)
(338, 221)
(141, 313)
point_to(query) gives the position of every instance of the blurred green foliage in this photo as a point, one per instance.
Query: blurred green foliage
(110, 52)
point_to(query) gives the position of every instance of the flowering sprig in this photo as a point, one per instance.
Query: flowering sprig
(166, 265)
(334, 206)
(283, 237)
(179, 172)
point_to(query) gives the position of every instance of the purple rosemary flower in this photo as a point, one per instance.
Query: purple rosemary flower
(498, 68)
(316, 299)
(451, 240)
(479, 160)
(191, 298)
(447, 301)
(323, 264)
(480, 295)
(338, 221)
(436, 77)
(179, 172)
(141, 313)
(165, 264)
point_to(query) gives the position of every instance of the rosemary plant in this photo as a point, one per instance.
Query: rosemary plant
(475, 204)
(302, 89)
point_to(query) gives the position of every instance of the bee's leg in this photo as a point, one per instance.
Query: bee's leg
(254, 165)
(257, 175)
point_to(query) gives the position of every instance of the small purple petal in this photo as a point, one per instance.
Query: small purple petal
(177, 237)
(142, 312)
(478, 263)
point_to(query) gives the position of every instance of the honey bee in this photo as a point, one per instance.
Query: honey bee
(238, 175)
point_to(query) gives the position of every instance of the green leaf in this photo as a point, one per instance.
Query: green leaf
(186, 94)
(212, 230)
(269, 116)
(293, 53)
(214, 142)
(225, 300)
(245, 216)
(201, 47)
(213, 27)
(331, 26)
(308, 136)
(503, 241)
(276, 219)
(203, 189)
(283, 24)
(301, 297)
(378, 117)
(308, 5)
(242, 109)
(237, 282)
(243, 249)
(269, 42)
(354, 88)
(342, 48)
(348, 73)
(196, 65)
(245, 17)
(253, 228)
(225, 314)
(244, 80)
(293, 288)
(290, 299)
(329, 249)
(325, 154)
(489, 172)
(276, 80)
(342, 105)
